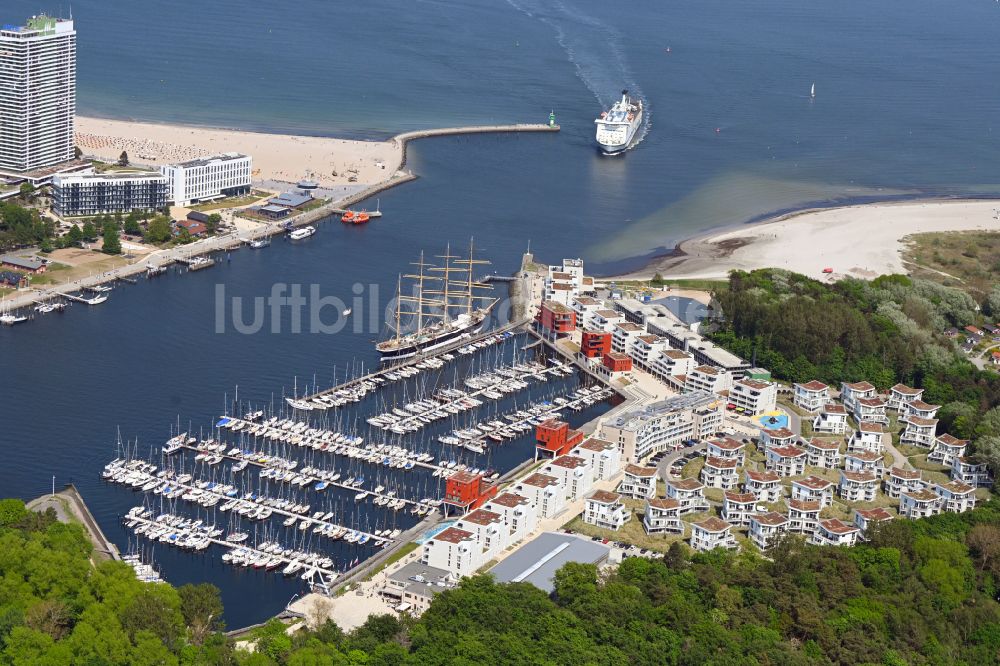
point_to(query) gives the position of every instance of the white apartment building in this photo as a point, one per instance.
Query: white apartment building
(803, 516)
(624, 335)
(754, 396)
(689, 493)
(864, 461)
(770, 438)
(520, 517)
(918, 431)
(545, 494)
(920, 408)
(604, 457)
(605, 320)
(638, 482)
(208, 178)
(865, 518)
(37, 94)
(901, 480)
(850, 392)
(720, 473)
(671, 363)
(726, 448)
(712, 533)
(835, 532)
(491, 532)
(831, 419)
(956, 496)
(644, 350)
(870, 409)
(737, 508)
(567, 282)
(813, 489)
(574, 475)
(901, 394)
(453, 550)
(662, 515)
(946, 449)
(585, 307)
(766, 486)
(823, 453)
(664, 426)
(857, 486)
(919, 504)
(868, 437)
(971, 472)
(786, 460)
(708, 379)
(811, 396)
(605, 509)
(766, 528)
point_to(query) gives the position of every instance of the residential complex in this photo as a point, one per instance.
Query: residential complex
(97, 194)
(665, 425)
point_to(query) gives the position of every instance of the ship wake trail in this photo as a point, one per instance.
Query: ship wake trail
(593, 47)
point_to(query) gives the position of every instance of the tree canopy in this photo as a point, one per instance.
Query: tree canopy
(918, 592)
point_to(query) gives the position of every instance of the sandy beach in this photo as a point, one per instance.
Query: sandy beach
(862, 241)
(280, 157)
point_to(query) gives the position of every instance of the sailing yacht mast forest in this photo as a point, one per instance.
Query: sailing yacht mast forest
(446, 303)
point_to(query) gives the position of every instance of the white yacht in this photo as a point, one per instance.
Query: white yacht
(304, 232)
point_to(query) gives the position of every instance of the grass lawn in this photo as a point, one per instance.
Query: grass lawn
(632, 532)
(403, 551)
(692, 470)
(62, 273)
(314, 204)
(972, 258)
(700, 285)
(716, 495)
(231, 202)
(920, 462)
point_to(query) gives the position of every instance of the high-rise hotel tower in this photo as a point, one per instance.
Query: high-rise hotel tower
(37, 93)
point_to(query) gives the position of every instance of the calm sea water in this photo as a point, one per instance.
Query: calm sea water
(904, 106)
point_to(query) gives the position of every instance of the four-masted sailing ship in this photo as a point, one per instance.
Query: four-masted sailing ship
(441, 307)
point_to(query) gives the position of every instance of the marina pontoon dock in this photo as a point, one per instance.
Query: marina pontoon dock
(139, 480)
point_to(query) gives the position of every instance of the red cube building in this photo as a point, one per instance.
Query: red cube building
(467, 491)
(555, 438)
(595, 344)
(556, 320)
(617, 362)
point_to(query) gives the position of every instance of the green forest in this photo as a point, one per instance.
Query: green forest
(884, 331)
(919, 592)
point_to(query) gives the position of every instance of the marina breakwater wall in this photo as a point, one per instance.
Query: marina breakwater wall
(406, 137)
(70, 507)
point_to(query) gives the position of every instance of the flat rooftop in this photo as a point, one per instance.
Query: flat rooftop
(537, 561)
(211, 159)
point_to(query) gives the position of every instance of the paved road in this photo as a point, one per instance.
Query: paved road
(663, 467)
(899, 460)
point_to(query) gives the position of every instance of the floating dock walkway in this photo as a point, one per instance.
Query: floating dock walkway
(149, 523)
(312, 522)
(312, 480)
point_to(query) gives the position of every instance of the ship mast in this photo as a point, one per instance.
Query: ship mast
(447, 269)
(419, 299)
(399, 301)
(470, 281)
